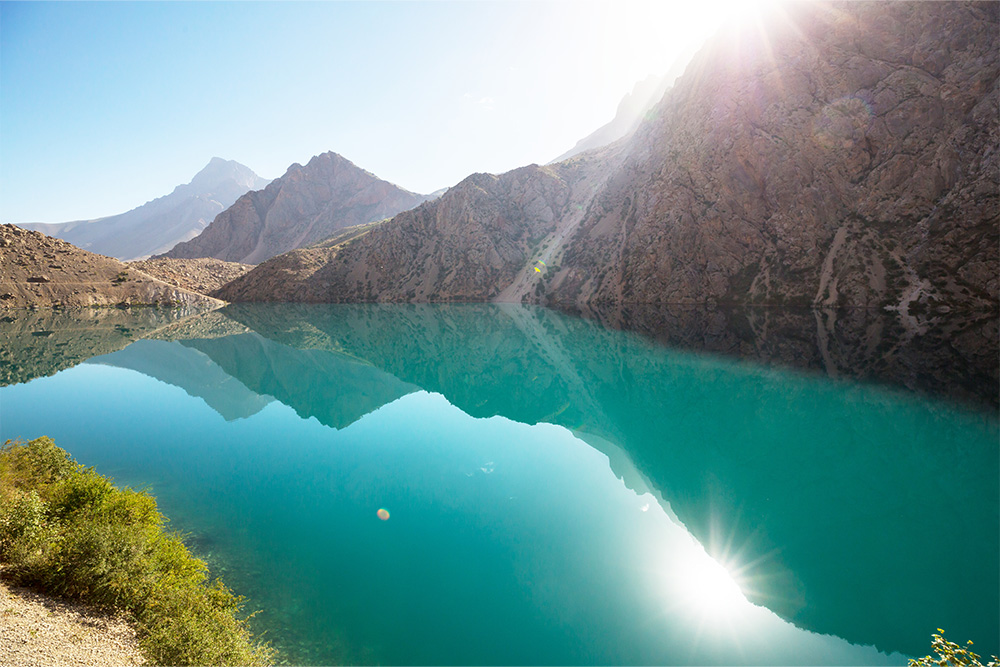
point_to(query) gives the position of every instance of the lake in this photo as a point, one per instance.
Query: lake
(642, 486)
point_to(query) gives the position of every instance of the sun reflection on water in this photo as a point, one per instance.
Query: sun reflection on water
(707, 587)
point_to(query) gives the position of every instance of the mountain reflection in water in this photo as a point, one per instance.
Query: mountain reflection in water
(834, 504)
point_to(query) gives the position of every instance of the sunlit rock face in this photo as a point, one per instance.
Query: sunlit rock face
(833, 154)
(305, 205)
(479, 241)
(827, 154)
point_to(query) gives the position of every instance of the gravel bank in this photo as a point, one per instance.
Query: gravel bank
(36, 630)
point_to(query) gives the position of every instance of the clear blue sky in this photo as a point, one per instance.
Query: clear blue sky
(104, 106)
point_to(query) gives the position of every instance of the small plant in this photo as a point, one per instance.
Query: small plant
(120, 278)
(950, 654)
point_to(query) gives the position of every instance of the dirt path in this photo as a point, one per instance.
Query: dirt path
(39, 631)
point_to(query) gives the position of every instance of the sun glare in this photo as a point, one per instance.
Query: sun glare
(708, 587)
(745, 10)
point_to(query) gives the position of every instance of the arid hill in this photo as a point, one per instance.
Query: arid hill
(479, 241)
(41, 271)
(198, 275)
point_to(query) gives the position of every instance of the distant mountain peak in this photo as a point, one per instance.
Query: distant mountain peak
(162, 223)
(631, 109)
(305, 205)
(219, 170)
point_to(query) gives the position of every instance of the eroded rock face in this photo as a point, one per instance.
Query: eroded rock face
(841, 155)
(302, 207)
(844, 156)
(41, 271)
(479, 241)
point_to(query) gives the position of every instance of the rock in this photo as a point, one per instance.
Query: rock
(84, 279)
(805, 160)
(302, 207)
(198, 275)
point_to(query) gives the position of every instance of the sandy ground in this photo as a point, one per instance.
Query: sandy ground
(43, 631)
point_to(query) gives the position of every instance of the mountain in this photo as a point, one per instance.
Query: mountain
(304, 206)
(845, 156)
(481, 236)
(39, 270)
(831, 154)
(631, 110)
(159, 225)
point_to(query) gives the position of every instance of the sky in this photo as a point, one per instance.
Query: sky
(104, 106)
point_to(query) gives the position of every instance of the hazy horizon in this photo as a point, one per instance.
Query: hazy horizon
(109, 105)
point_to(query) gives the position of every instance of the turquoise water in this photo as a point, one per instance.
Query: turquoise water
(558, 492)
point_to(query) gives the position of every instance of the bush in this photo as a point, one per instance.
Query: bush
(951, 654)
(22, 523)
(68, 531)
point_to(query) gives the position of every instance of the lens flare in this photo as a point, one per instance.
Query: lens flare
(383, 514)
(709, 587)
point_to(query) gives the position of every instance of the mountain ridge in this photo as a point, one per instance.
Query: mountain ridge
(160, 223)
(845, 156)
(305, 205)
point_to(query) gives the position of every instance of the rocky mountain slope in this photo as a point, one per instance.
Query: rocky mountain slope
(834, 154)
(159, 225)
(631, 110)
(847, 156)
(483, 235)
(39, 270)
(198, 275)
(304, 206)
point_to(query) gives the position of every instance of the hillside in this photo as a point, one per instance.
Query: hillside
(840, 155)
(162, 223)
(198, 275)
(41, 271)
(631, 110)
(482, 236)
(306, 205)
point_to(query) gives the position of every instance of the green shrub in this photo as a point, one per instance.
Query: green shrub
(68, 531)
(950, 654)
(22, 521)
(34, 466)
